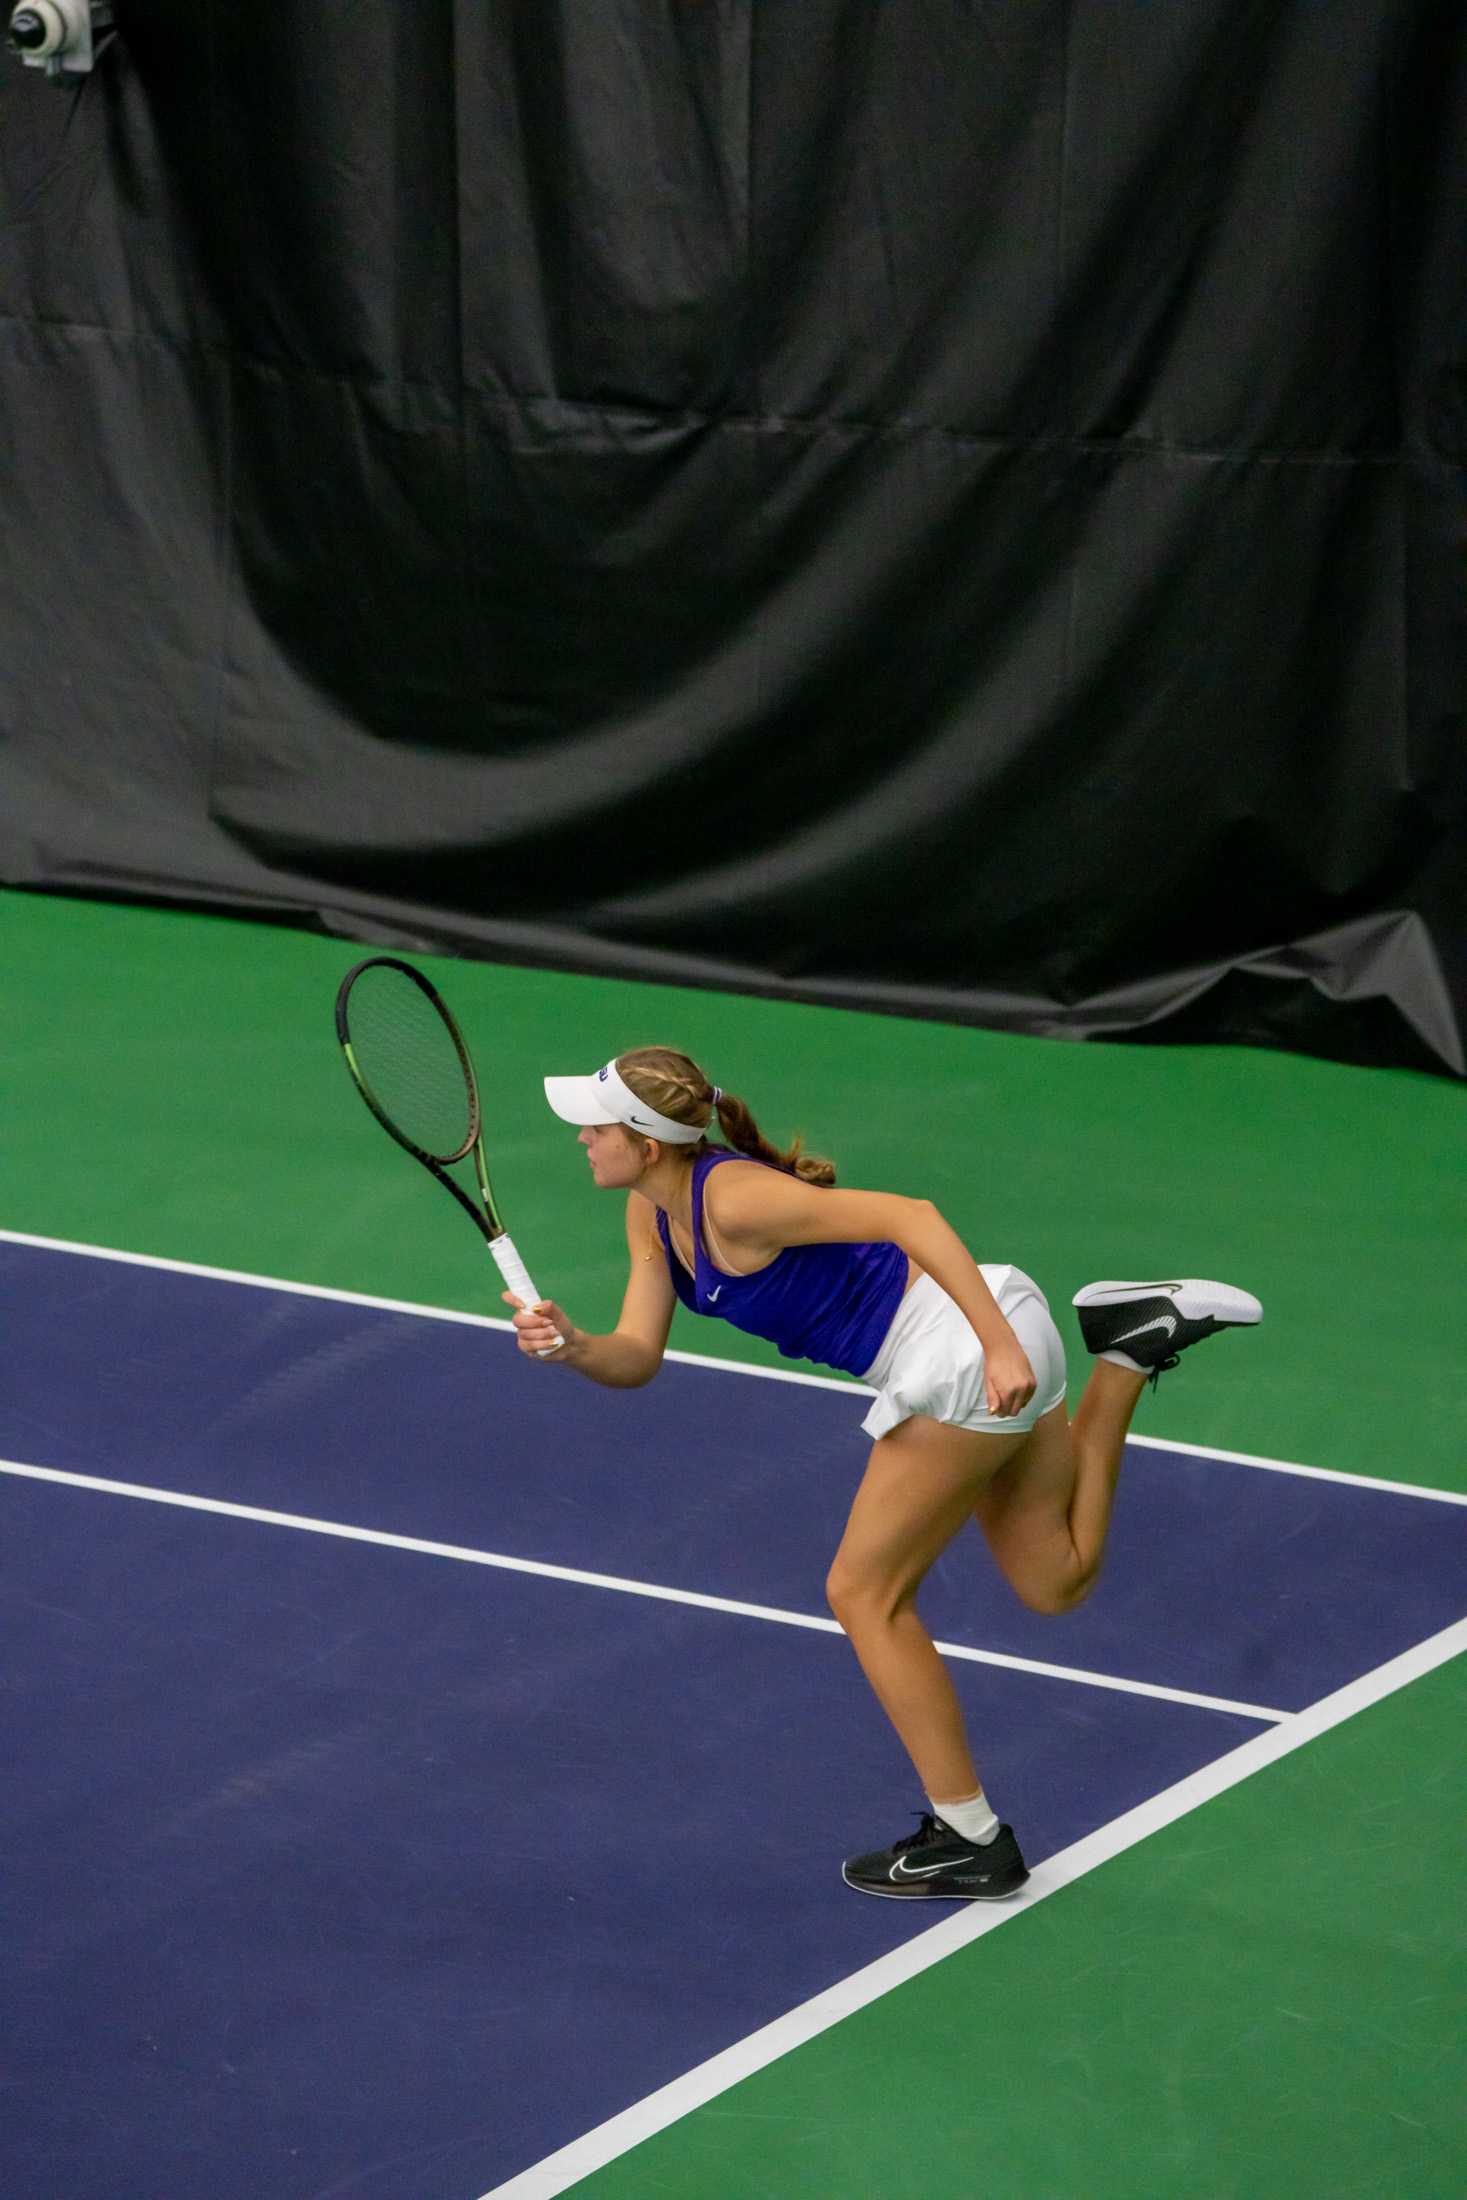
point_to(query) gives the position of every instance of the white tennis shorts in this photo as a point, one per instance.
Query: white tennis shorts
(930, 1361)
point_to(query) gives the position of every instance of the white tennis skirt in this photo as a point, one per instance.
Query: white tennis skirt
(931, 1362)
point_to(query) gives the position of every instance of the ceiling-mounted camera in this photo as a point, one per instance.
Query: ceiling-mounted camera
(63, 37)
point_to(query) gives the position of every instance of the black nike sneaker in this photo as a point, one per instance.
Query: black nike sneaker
(1153, 1322)
(934, 1863)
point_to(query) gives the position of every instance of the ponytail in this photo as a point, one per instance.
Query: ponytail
(744, 1135)
(674, 1085)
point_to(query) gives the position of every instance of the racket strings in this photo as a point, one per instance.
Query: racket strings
(406, 1054)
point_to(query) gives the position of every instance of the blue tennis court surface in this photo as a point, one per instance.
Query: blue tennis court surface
(339, 1868)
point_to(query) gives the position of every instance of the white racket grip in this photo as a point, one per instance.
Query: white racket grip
(517, 1276)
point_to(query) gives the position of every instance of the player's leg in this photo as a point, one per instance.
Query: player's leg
(921, 1485)
(1046, 1513)
(1044, 1499)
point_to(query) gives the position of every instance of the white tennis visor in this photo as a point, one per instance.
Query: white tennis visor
(604, 1098)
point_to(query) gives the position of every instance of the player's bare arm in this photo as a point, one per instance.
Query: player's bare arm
(630, 1354)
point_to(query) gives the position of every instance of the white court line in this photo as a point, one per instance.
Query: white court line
(594, 2149)
(505, 1564)
(685, 1359)
(1289, 1466)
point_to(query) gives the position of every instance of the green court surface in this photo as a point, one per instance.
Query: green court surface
(1265, 1996)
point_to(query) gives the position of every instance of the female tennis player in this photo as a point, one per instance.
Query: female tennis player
(968, 1368)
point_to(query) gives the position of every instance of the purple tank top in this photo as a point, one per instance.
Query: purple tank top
(831, 1303)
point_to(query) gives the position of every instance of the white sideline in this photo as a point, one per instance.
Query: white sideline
(594, 2149)
(685, 1359)
(466, 1555)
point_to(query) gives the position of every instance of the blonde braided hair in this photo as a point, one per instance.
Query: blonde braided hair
(673, 1084)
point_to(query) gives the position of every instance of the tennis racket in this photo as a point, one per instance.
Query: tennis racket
(409, 1062)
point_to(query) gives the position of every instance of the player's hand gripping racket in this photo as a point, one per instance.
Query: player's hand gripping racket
(409, 1062)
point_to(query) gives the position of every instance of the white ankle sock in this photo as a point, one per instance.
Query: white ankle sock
(975, 1819)
(1123, 1359)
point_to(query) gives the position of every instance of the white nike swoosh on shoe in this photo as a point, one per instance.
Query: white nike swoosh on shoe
(1168, 1322)
(901, 1869)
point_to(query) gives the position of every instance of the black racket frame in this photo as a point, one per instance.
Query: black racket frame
(489, 1222)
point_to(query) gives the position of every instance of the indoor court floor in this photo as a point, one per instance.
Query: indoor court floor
(427, 1774)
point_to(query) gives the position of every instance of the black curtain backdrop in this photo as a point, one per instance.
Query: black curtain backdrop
(950, 506)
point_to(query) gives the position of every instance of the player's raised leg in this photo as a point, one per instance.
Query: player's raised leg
(1046, 1513)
